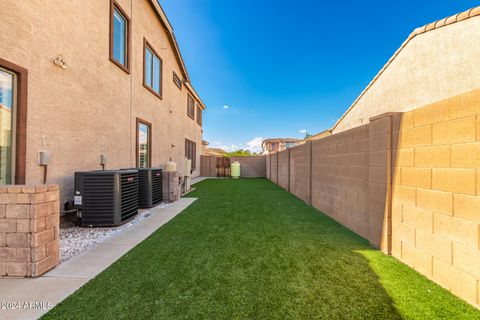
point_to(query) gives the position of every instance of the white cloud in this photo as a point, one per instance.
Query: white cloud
(225, 107)
(255, 145)
(230, 148)
(302, 131)
(6, 80)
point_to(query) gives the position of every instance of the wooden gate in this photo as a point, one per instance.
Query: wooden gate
(223, 167)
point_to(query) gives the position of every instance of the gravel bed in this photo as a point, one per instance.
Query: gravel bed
(75, 240)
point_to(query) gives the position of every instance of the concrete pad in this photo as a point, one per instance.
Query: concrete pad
(198, 179)
(62, 281)
(42, 290)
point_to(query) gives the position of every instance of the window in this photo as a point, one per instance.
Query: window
(273, 146)
(7, 102)
(13, 133)
(191, 152)
(199, 116)
(152, 73)
(119, 37)
(177, 80)
(290, 145)
(144, 144)
(191, 107)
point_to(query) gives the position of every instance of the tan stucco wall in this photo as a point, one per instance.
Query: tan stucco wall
(93, 104)
(432, 66)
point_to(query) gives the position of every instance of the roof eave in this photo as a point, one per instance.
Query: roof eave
(171, 36)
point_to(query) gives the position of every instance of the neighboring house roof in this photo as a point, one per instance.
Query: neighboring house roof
(173, 41)
(215, 151)
(426, 28)
(273, 140)
(319, 135)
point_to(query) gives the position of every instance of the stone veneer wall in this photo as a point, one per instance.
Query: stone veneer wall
(407, 182)
(29, 229)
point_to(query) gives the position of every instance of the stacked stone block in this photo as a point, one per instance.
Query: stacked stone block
(172, 186)
(29, 229)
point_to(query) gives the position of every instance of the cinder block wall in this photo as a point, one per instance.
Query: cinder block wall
(268, 169)
(274, 167)
(251, 166)
(29, 229)
(436, 194)
(300, 166)
(407, 182)
(283, 169)
(346, 176)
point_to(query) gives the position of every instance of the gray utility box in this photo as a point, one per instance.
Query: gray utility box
(106, 197)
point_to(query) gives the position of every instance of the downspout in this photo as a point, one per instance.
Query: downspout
(132, 147)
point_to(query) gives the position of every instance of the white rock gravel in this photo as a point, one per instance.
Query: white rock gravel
(75, 240)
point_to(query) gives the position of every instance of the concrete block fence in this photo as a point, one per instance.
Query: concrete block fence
(408, 182)
(29, 229)
(250, 166)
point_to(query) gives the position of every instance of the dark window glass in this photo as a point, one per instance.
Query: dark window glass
(191, 107)
(152, 75)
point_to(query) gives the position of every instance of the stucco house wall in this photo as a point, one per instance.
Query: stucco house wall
(437, 61)
(91, 107)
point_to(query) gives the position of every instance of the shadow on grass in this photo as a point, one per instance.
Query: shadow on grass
(249, 250)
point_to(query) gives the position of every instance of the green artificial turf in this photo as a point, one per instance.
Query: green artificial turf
(246, 249)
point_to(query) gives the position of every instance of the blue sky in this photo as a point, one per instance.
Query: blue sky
(272, 68)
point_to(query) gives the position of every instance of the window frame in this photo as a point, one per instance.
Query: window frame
(191, 145)
(114, 5)
(192, 114)
(20, 133)
(137, 145)
(146, 45)
(175, 76)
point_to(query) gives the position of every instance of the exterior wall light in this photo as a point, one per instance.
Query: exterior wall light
(60, 62)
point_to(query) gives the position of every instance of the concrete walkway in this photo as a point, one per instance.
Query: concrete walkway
(198, 179)
(62, 281)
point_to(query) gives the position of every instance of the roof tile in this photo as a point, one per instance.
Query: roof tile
(463, 15)
(475, 12)
(430, 26)
(451, 19)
